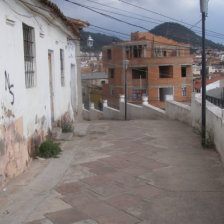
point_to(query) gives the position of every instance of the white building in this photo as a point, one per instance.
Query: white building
(40, 78)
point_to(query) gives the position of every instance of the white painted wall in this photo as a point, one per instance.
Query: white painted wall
(146, 111)
(33, 103)
(192, 116)
(22, 109)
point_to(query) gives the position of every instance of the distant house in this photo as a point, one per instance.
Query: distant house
(212, 82)
(92, 89)
(40, 78)
(157, 67)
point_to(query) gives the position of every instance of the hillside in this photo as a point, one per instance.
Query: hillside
(181, 33)
(170, 30)
(99, 41)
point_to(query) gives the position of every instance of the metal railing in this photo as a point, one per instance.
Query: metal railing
(216, 101)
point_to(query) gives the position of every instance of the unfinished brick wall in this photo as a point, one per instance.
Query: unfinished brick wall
(177, 55)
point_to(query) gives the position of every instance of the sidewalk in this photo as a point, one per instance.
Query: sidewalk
(145, 171)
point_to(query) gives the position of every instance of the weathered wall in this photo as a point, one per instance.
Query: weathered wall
(145, 111)
(25, 112)
(192, 116)
(179, 111)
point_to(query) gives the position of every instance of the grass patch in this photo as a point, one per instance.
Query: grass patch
(48, 149)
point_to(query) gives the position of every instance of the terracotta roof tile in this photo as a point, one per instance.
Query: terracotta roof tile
(72, 25)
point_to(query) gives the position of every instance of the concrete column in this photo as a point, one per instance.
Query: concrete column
(92, 106)
(145, 100)
(105, 104)
(121, 98)
(169, 97)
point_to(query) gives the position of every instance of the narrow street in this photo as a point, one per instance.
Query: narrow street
(145, 171)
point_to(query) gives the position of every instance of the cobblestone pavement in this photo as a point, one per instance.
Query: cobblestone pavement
(146, 172)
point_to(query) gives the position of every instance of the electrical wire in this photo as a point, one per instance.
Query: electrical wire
(132, 17)
(162, 15)
(131, 24)
(143, 16)
(122, 10)
(108, 16)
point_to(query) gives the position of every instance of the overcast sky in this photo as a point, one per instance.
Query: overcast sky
(187, 11)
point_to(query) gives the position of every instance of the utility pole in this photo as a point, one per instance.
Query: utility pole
(126, 62)
(204, 11)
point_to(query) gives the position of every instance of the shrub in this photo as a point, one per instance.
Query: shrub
(48, 149)
(66, 127)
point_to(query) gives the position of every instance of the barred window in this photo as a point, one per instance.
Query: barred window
(62, 67)
(184, 91)
(29, 55)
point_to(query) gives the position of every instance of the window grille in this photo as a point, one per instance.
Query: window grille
(62, 67)
(184, 91)
(29, 55)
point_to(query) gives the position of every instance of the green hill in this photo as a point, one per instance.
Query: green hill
(180, 33)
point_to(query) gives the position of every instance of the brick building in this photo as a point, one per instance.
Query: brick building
(157, 67)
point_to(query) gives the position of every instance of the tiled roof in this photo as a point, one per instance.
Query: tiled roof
(198, 84)
(78, 22)
(74, 26)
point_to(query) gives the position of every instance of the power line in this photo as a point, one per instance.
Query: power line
(108, 16)
(160, 14)
(122, 10)
(128, 16)
(117, 19)
(110, 30)
(160, 42)
(217, 34)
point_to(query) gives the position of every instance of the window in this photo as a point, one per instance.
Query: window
(139, 73)
(165, 91)
(111, 73)
(183, 51)
(29, 55)
(184, 91)
(109, 54)
(178, 51)
(157, 52)
(165, 72)
(128, 51)
(183, 71)
(62, 67)
(137, 51)
(164, 53)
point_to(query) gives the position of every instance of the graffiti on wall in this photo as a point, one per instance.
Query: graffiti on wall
(9, 87)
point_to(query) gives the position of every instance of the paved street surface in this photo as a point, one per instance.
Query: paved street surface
(146, 172)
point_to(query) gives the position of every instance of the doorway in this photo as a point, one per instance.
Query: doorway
(50, 58)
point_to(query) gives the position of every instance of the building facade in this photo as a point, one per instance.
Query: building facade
(157, 67)
(40, 78)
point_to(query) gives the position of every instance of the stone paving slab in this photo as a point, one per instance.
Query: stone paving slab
(140, 172)
(67, 216)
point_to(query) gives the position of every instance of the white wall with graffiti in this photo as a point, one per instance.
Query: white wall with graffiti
(37, 62)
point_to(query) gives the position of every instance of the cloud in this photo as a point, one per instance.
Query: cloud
(187, 11)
